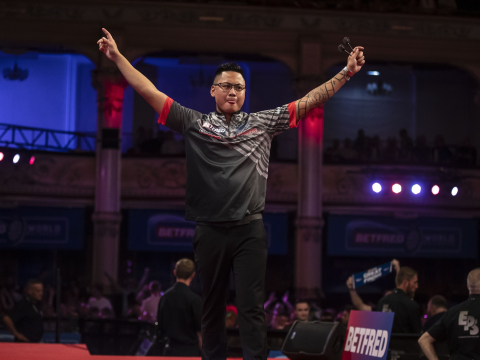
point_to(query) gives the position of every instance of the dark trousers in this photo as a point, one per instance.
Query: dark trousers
(243, 249)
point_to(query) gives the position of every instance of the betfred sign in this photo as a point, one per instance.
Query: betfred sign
(368, 335)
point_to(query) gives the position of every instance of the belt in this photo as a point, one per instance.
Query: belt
(228, 224)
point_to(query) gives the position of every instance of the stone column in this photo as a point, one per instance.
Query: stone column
(110, 86)
(308, 255)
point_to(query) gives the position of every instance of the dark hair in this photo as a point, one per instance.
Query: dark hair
(301, 301)
(439, 301)
(32, 282)
(229, 67)
(184, 268)
(405, 273)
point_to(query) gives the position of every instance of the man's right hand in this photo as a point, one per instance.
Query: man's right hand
(20, 337)
(108, 46)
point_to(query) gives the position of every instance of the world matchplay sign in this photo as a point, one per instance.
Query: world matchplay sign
(368, 335)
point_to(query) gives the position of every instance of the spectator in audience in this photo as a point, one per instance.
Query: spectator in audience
(150, 305)
(9, 295)
(231, 316)
(422, 154)
(441, 152)
(281, 317)
(436, 308)
(328, 315)
(400, 301)
(98, 300)
(406, 146)
(390, 153)
(25, 321)
(301, 311)
(347, 153)
(375, 149)
(179, 313)
(332, 153)
(344, 316)
(361, 145)
(459, 326)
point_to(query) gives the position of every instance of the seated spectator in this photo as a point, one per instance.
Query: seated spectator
(231, 316)
(98, 301)
(441, 152)
(344, 316)
(390, 153)
(328, 315)
(347, 153)
(25, 321)
(375, 148)
(149, 306)
(301, 311)
(406, 146)
(437, 306)
(422, 154)
(281, 317)
(361, 145)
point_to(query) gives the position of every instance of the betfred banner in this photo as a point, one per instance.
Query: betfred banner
(368, 335)
(369, 236)
(370, 275)
(167, 230)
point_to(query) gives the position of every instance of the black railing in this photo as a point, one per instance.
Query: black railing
(45, 139)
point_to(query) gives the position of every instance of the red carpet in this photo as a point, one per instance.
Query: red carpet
(15, 351)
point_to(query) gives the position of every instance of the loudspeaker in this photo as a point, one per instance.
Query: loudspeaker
(314, 340)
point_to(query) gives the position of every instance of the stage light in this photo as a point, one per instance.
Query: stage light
(373, 73)
(435, 189)
(397, 188)
(16, 158)
(32, 160)
(416, 189)
(454, 191)
(377, 187)
(1, 156)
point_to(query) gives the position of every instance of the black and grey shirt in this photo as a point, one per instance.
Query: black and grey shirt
(460, 327)
(227, 165)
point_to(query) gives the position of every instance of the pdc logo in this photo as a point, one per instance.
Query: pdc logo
(364, 341)
(468, 322)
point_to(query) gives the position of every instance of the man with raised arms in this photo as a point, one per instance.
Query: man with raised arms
(227, 154)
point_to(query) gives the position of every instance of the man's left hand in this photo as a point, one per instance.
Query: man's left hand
(356, 59)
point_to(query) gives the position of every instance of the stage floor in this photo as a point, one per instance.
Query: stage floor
(17, 351)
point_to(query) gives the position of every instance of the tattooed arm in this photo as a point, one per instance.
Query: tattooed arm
(319, 95)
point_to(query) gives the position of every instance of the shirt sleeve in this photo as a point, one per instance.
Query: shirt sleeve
(278, 120)
(439, 330)
(17, 312)
(177, 117)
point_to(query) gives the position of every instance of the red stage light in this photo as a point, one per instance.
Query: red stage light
(1, 156)
(32, 160)
(397, 188)
(435, 189)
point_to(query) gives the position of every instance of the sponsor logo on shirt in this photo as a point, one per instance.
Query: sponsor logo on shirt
(365, 341)
(215, 129)
(468, 322)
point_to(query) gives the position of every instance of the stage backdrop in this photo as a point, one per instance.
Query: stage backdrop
(167, 230)
(389, 237)
(41, 228)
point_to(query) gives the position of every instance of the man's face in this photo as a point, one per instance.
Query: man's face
(35, 292)
(302, 311)
(430, 308)
(228, 102)
(412, 286)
